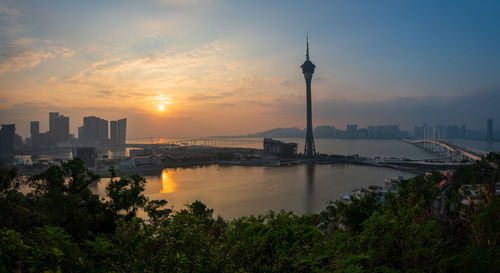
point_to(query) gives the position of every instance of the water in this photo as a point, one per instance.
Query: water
(366, 147)
(234, 191)
(362, 147)
(485, 146)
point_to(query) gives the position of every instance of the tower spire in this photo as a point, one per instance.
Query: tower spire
(307, 43)
(308, 71)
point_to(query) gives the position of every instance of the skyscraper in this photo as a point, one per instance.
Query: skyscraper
(7, 138)
(113, 132)
(34, 128)
(463, 131)
(94, 132)
(53, 116)
(62, 128)
(308, 71)
(489, 130)
(81, 135)
(58, 127)
(122, 131)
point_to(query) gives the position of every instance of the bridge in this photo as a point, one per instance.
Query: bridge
(454, 151)
(212, 141)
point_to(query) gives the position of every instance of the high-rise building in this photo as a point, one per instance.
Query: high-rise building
(34, 128)
(371, 131)
(352, 127)
(463, 132)
(122, 131)
(35, 134)
(452, 132)
(7, 138)
(58, 127)
(53, 116)
(62, 128)
(351, 130)
(325, 131)
(489, 129)
(439, 131)
(113, 132)
(81, 134)
(308, 71)
(418, 132)
(95, 131)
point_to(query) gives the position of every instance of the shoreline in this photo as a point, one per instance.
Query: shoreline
(104, 173)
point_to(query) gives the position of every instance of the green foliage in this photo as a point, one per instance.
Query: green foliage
(271, 243)
(12, 250)
(60, 226)
(9, 181)
(157, 211)
(339, 215)
(126, 195)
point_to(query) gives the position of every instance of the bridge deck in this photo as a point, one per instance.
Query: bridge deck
(454, 148)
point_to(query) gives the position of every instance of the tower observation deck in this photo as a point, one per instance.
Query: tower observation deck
(308, 71)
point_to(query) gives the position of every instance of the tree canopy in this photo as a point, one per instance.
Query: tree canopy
(52, 222)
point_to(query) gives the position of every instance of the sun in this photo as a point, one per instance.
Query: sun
(161, 107)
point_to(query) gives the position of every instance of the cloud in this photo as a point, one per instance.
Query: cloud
(105, 92)
(156, 67)
(51, 79)
(226, 104)
(197, 75)
(204, 97)
(9, 25)
(26, 53)
(4, 10)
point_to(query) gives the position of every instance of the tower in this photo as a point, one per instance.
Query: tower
(308, 71)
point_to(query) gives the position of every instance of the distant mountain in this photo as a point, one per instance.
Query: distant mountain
(281, 133)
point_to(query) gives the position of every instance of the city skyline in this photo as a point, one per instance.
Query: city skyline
(198, 68)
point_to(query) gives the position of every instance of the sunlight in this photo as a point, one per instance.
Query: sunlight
(168, 185)
(161, 103)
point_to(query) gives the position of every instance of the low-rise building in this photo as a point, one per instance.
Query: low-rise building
(147, 161)
(280, 148)
(87, 154)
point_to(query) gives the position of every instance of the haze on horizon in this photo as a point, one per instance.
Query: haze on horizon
(216, 67)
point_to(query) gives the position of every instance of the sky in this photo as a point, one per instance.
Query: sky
(218, 67)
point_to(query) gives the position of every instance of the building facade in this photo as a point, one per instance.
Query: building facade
(7, 138)
(113, 132)
(34, 128)
(122, 131)
(280, 148)
(94, 131)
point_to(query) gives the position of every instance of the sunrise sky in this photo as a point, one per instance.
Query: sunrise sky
(215, 67)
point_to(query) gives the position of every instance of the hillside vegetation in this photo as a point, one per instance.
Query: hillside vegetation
(61, 226)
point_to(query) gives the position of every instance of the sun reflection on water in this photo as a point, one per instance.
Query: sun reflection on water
(167, 183)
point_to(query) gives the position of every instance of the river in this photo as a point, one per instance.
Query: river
(234, 191)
